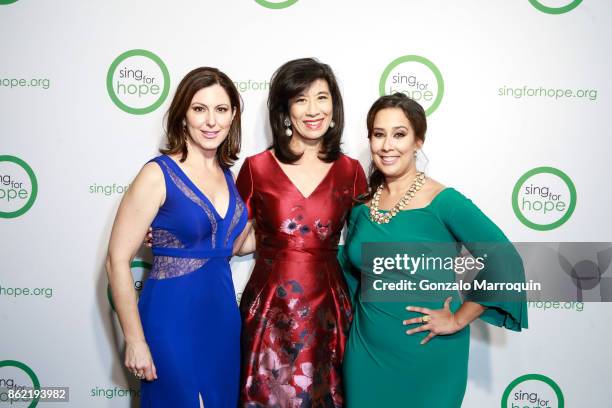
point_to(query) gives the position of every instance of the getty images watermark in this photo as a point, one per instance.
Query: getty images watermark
(489, 271)
(404, 263)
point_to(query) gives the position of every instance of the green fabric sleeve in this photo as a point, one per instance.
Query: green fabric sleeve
(483, 238)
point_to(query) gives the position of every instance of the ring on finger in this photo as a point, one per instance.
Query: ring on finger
(425, 319)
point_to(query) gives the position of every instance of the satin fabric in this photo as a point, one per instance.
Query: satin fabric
(295, 307)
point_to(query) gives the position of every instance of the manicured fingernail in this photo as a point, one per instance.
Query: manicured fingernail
(408, 307)
(404, 323)
(408, 332)
(422, 343)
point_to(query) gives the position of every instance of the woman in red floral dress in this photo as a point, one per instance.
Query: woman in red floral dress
(295, 307)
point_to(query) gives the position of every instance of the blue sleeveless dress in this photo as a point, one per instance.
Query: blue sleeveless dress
(188, 305)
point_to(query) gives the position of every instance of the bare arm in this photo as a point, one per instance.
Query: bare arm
(468, 312)
(245, 243)
(136, 212)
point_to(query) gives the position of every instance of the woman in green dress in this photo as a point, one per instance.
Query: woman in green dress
(414, 353)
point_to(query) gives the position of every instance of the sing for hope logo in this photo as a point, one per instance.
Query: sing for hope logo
(544, 198)
(17, 376)
(18, 187)
(138, 82)
(531, 391)
(415, 76)
(275, 5)
(555, 6)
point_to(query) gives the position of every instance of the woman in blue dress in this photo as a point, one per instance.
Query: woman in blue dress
(183, 336)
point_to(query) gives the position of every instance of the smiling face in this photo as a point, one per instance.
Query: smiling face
(311, 111)
(209, 117)
(393, 143)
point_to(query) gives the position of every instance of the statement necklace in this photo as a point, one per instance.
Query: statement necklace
(384, 218)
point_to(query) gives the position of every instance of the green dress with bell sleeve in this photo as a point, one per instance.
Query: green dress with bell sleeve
(385, 367)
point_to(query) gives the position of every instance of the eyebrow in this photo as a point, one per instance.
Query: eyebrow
(319, 93)
(393, 128)
(203, 104)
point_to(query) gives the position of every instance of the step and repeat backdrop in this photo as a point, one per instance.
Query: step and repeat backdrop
(518, 101)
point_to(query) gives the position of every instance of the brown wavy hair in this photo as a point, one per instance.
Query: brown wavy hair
(199, 78)
(291, 79)
(418, 120)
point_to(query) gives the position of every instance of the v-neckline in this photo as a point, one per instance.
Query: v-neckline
(294, 185)
(199, 192)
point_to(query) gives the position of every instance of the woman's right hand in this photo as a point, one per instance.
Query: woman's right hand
(138, 360)
(148, 239)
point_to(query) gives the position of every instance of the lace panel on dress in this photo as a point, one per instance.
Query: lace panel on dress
(166, 239)
(239, 209)
(197, 200)
(171, 267)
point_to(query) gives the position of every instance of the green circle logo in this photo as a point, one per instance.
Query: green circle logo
(29, 372)
(416, 77)
(544, 198)
(138, 268)
(18, 187)
(533, 390)
(138, 82)
(276, 5)
(555, 10)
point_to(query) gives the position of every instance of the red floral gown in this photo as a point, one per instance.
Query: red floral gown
(295, 307)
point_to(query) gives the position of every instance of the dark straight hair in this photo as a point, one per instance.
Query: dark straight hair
(291, 79)
(418, 120)
(199, 78)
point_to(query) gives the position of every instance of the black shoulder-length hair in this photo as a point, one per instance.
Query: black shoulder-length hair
(291, 79)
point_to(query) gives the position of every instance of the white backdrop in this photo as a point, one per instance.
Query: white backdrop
(500, 115)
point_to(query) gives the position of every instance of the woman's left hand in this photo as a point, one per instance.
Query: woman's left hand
(437, 322)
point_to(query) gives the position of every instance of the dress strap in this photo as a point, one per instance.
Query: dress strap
(170, 186)
(159, 161)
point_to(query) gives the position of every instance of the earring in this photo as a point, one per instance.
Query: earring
(416, 153)
(288, 131)
(332, 124)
